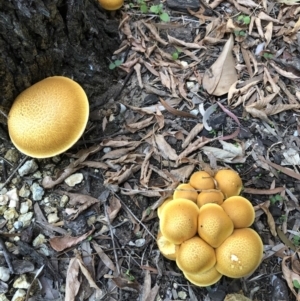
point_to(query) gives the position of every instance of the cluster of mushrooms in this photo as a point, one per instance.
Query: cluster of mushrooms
(208, 233)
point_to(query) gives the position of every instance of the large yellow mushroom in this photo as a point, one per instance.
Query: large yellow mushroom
(240, 254)
(111, 4)
(210, 196)
(178, 220)
(49, 117)
(167, 249)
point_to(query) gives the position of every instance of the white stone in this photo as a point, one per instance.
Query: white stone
(52, 218)
(74, 179)
(39, 240)
(21, 282)
(28, 167)
(4, 274)
(19, 295)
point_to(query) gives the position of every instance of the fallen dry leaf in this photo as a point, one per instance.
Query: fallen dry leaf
(60, 243)
(222, 74)
(166, 151)
(290, 276)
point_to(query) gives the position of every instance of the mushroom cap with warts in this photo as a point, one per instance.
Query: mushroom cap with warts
(240, 211)
(214, 225)
(178, 220)
(185, 191)
(207, 278)
(240, 254)
(195, 256)
(202, 180)
(229, 182)
(49, 117)
(210, 196)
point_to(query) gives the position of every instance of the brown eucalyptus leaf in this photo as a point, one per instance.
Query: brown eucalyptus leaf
(222, 74)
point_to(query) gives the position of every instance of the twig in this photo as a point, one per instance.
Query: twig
(139, 221)
(12, 174)
(7, 256)
(111, 234)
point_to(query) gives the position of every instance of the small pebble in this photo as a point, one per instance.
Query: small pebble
(12, 155)
(26, 219)
(4, 274)
(74, 179)
(24, 192)
(63, 201)
(37, 192)
(28, 167)
(52, 218)
(21, 282)
(19, 295)
(18, 225)
(39, 240)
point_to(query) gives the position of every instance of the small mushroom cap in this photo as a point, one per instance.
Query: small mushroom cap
(195, 256)
(185, 191)
(178, 220)
(229, 182)
(160, 208)
(49, 117)
(167, 249)
(210, 196)
(202, 180)
(240, 211)
(240, 254)
(208, 278)
(214, 225)
(111, 4)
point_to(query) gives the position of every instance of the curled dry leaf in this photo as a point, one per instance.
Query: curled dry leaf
(166, 151)
(290, 276)
(105, 259)
(192, 134)
(61, 243)
(222, 74)
(270, 219)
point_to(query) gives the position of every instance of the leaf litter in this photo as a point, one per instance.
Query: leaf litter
(246, 71)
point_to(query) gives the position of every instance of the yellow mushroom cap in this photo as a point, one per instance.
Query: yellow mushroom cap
(178, 220)
(229, 182)
(240, 211)
(208, 278)
(160, 208)
(202, 180)
(240, 254)
(195, 256)
(167, 249)
(111, 4)
(185, 191)
(214, 225)
(49, 117)
(210, 196)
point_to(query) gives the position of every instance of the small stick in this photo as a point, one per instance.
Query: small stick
(12, 174)
(7, 256)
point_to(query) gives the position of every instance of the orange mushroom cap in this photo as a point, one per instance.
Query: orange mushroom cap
(240, 211)
(167, 249)
(178, 220)
(111, 4)
(214, 225)
(229, 182)
(240, 254)
(208, 278)
(185, 191)
(195, 256)
(202, 180)
(49, 117)
(210, 196)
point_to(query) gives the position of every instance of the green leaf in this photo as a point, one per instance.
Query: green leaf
(112, 66)
(246, 20)
(296, 284)
(155, 9)
(144, 8)
(175, 55)
(164, 17)
(118, 63)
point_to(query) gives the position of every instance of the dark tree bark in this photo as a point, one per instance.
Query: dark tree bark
(41, 38)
